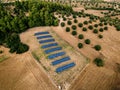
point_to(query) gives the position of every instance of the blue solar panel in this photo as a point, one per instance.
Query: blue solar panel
(65, 67)
(52, 50)
(49, 45)
(45, 41)
(60, 60)
(52, 56)
(42, 37)
(41, 33)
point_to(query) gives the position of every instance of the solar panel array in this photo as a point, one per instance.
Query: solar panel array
(41, 33)
(52, 48)
(42, 37)
(65, 67)
(52, 56)
(60, 60)
(46, 41)
(49, 45)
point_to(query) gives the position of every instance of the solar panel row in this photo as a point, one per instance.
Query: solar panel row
(52, 50)
(41, 33)
(52, 56)
(49, 45)
(46, 41)
(42, 37)
(65, 67)
(60, 60)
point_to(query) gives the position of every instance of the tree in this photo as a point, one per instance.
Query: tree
(74, 33)
(74, 27)
(62, 24)
(90, 27)
(87, 41)
(80, 45)
(99, 62)
(95, 31)
(80, 36)
(84, 29)
(80, 25)
(100, 36)
(97, 47)
(75, 20)
(67, 29)
(85, 22)
(69, 22)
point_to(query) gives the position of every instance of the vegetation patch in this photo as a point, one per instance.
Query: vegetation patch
(97, 47)
(35, 56)
(99, 62)
(3, 57)
(80, 45)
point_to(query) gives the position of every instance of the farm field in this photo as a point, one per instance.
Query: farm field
(77, 50)
(23, 72)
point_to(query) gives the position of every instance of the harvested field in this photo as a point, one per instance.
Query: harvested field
(24, 73)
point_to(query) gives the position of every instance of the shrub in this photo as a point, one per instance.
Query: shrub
(80, 45)
(100, 36)
(75, 21)
(74, 16)
(97, 47)
(110, 24)
(100, 24)
(85, 22)
(1, 51)
(74, 33)
(81, 36)
(105, 23)
(62, 24)
(22, 48)
(80, 25)
(84, 29)
(67, 29)
(74, 27)
(69, 22)
(95, 31)
(87, 41)
(90, 27)
(101, 29)
(106, 28)
(90, 21)
(99, 62)
(96, 25)
(118, 28)
(64, 19)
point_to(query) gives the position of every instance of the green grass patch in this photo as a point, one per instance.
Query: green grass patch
(3, 57)
(35, 56)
